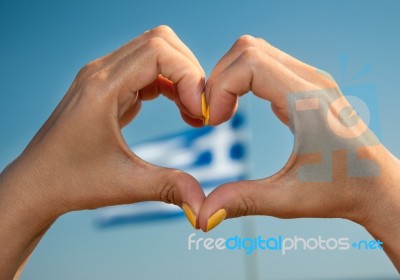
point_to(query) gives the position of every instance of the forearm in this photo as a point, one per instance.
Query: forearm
(23, 217)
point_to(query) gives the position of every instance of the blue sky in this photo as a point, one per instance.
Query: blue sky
(44, 43)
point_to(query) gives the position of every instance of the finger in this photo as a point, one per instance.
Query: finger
(260, 197)
(158, 57)
(284, 195)
(153, 183)
(256, 71)
(166, 33)
(234, 52)
(91, 68)
(160, 85)
(162, 31)
(229, 201)
(168, 89)
(303, 70)
(194, 122)
(142, 67)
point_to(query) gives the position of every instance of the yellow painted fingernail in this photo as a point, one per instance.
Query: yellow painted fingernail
(207, 118)
(203, 105)
(205, 109)
(189, 214)
(215, 219)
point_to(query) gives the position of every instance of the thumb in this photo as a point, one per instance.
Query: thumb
(154, 183)
(244, 198)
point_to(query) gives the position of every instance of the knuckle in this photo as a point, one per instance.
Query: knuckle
(87, 70)
(264, 42)
(95, 84)
(329, 80)
(169, 192)
(83, 71)
(162, 30)
(247, 206)
(242, 204)
(251, 55)
(245, 41)
(155, 43)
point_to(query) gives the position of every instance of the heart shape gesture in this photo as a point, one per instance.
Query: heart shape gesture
(79, 159)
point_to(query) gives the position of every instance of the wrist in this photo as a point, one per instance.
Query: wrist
(23, 217)
(24, 196)
(381, 214)
(383, 200)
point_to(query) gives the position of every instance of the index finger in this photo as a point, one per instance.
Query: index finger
(252, 70)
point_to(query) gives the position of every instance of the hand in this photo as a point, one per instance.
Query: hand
(338, 168)
(79, 159)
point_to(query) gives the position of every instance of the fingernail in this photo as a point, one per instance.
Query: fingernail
(189, 214)
(204, 108)
(215, 219)
(207, 119)
(203, 104)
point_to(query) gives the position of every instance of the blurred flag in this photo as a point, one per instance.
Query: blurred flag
(213, 155)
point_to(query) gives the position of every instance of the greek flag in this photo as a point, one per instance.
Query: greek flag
(213, 155)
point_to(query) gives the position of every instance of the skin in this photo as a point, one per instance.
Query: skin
(372, 201)
(79, 159)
